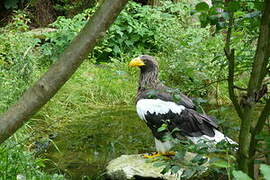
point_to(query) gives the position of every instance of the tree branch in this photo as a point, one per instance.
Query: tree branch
(45, 88)
(262, 54)
(262, 119)
(231, 62)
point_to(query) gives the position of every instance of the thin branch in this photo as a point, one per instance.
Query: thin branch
(262, 119)
(231, 62)
(239, 88)
(230, 57)
(209, 84)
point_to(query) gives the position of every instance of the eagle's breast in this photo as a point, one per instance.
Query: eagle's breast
(157, 107)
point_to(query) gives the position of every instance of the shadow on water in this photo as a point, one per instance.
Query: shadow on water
(84, 146)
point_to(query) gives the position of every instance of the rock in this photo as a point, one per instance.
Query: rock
(136, 166)
(40, 32)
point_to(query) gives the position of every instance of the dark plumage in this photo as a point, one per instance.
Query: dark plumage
(158, 104)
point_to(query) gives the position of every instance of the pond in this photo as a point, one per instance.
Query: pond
(84, 146)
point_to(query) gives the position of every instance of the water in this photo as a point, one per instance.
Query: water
(84, 146)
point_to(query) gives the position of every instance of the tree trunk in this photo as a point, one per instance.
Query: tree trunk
(247, 141)
(44, 13)
(45, 88)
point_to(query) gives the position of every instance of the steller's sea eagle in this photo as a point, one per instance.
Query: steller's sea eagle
(158, 104)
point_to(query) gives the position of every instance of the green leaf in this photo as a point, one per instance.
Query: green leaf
(265, 170)
(165, 170)
(204, 20)
(159, 164)
(175, 169)
(239, 175)
(188, 173)
(162, 127)
(202, 7)
(180, 154)
(221, 163)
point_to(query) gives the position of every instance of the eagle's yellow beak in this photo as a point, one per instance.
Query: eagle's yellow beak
(136, 62)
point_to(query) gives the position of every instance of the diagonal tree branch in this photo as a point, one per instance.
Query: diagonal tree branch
(45, 88)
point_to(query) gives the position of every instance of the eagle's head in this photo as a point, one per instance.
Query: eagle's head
(145, 62)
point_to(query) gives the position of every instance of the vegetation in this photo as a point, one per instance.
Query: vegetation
(190, 52)
(258, 63)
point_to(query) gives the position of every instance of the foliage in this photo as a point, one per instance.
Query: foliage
(18, 68)
(207, 156)
(16, 162)
(239, 175)
(70, 8)
(265, 170)
(137, 30)
(17, 60)
(66, 30)
(13, 4)
(242, 21)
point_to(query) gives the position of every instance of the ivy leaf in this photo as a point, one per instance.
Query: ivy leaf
(265, 170)
(239, 175)
(202, 7)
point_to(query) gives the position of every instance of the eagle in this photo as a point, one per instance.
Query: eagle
(168, 112)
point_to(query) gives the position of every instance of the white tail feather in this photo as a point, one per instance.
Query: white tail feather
(219, 136)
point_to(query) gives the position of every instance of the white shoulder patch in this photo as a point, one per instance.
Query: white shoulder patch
(157, 106)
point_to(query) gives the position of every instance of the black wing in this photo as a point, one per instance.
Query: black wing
(188, 122)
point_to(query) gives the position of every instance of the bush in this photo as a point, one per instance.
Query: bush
(136, 31)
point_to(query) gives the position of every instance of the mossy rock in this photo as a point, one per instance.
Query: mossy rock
(132, 167)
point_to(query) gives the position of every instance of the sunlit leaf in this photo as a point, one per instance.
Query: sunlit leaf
(265, 170)
(239, 175)
(220, 163)
(163, 127)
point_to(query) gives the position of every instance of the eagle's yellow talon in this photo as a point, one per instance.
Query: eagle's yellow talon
(170, 153)
(165, 155)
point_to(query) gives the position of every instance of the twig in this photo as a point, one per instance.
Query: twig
(239, 88)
